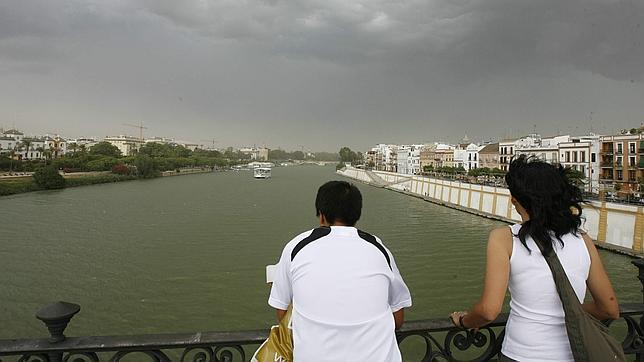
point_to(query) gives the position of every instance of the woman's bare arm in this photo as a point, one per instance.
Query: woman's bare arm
(604, 304)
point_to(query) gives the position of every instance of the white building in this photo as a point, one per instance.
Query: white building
(403, 155)
(506, 152)
(56, 144)
(32, 149)
(408, 159)
(472, 156)
(582, 154)
(259, 154)
(385, 157)
(126, 144)
(14, 134)
(161, 140)
(7, 144)
(546, 149)
(77, 144)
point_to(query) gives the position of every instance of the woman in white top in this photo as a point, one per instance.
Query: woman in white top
(549, 205)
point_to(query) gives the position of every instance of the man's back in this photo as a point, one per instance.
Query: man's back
(344, 286)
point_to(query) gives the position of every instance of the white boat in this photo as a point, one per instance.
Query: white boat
(262, 172)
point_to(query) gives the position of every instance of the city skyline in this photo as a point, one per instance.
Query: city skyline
(326, 74)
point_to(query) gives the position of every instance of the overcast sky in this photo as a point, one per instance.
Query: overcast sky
(321, 74)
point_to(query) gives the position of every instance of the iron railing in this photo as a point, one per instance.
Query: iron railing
(433, 340)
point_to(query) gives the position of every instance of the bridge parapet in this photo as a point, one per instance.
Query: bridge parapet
(432, 340)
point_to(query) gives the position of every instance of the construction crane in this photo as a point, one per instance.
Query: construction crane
(213, 141)
(139, 126)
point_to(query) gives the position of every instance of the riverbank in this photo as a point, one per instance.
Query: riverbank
(624, 233)
(25, 183)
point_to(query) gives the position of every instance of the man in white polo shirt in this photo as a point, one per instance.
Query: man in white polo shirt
(347, 293)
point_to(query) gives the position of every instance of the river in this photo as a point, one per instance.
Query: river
(181, 254)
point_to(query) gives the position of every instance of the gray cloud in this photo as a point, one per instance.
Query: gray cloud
(274, 71)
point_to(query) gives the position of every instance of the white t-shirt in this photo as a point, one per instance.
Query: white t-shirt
(344, 286)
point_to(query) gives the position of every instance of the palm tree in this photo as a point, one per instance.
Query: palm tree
(41, 150)
(48, 153)
(12, 154)
(26, 144)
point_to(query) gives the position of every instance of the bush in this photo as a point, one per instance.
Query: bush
(48, 178)
(101, 164)
(98, 179)
(121, 169)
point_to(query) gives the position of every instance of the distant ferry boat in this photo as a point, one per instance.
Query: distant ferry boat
(262, 172)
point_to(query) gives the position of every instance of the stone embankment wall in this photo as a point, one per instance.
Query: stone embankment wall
(613, 226)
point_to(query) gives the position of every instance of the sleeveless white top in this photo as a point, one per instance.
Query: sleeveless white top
(536, 329)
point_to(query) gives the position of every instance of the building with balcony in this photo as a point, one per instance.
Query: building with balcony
(621, 162)
(506, 152)
(472, 157)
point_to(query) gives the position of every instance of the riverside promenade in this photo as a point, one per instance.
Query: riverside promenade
(613, 226)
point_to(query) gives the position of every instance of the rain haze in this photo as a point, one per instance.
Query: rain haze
(322, 74)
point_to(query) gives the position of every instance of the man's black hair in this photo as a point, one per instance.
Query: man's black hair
(339, 201)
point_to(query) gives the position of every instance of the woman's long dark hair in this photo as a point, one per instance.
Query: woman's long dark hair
(550, 198)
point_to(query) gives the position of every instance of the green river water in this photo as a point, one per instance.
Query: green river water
(184, 254)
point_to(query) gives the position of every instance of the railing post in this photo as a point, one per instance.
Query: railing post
(56, 316)
(639, 263)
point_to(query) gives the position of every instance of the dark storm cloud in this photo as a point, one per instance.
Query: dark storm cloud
(469, 38)
(274, 71)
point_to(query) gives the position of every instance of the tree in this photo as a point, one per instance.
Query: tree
(73, 147)
(48, 178)
(576, 177)
(346, 155)
(146, 166)
(105, 149)
(26, 144)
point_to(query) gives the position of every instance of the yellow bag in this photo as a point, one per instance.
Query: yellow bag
(278, 347)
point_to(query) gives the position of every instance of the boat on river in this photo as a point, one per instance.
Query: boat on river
(262, 172)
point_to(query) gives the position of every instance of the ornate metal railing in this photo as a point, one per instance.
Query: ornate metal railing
(426, 340)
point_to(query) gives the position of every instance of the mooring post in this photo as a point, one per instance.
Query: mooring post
(56, 316)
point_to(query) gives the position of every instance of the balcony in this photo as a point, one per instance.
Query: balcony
(607, 164)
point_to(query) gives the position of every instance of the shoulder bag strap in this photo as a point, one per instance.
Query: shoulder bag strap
(573, 309)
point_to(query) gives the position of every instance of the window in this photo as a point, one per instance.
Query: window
(593, 157)
(582, 169)
(619, 148)
(631, 147)
(619, 174)
(567, 156)
(582, 156)
(631, 161)
(574, 156)
(619, 161)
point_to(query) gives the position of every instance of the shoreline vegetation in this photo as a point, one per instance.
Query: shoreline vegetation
(103, 163)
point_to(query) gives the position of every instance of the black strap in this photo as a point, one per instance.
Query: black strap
(317, 233)
(372, 240)
(571, 305)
